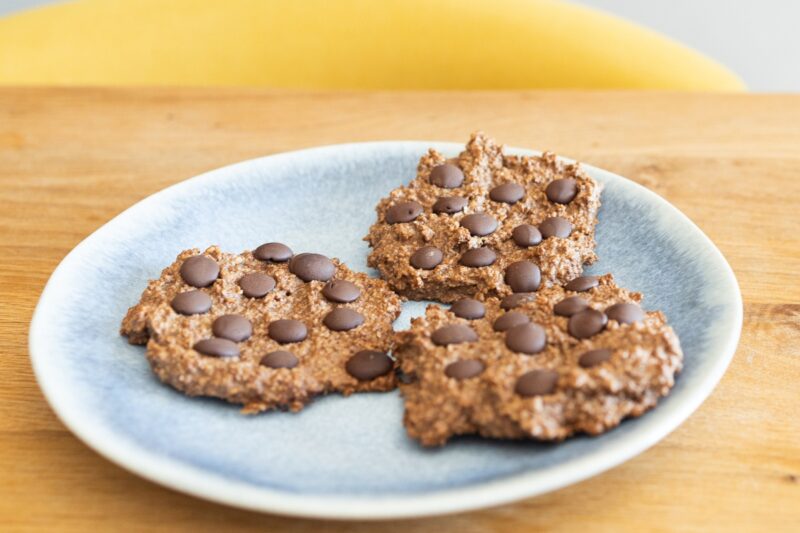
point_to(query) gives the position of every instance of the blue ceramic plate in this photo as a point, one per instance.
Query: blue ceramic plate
(343, 458)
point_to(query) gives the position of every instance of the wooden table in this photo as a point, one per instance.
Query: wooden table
(72, 159)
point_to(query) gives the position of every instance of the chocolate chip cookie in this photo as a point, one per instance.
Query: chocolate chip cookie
(266, 329)
(566, 360)
(485, 224)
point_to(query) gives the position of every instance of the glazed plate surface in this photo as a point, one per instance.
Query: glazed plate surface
(343, 458)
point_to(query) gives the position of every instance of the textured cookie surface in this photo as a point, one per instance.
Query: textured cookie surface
(265, 329)
(562, 362)
(455, 230)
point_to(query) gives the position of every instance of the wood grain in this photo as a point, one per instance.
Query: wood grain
(72, 159)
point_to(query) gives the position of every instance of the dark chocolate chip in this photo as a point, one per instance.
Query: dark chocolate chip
(199, 271)
(594, 357)
(586, 323)
(555, 227)
(235, 328)
(426, 258)
(454, 334)
(569, 306)
(478, 257)
(464, 369)
(536, 383)
(341, 291)
(369, 364)
(625, 313)
(403, 212)
(527, 338)
(191, 302)
(310, 267)
(256, 284)
(583, 283)
(526, 235)
(343, 319)
(217, 347)
(279, 359)
(509, 193)
(515, 300)
(468, 308)
(562, 191)
(447, 176)
(523, 276)
(479, 224)
(449, 204)
(273, 252)
(286, 331)
(510, 320)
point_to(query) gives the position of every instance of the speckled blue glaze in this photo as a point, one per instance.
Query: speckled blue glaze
(352, 451)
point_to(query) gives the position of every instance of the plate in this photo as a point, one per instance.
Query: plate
(343, 457)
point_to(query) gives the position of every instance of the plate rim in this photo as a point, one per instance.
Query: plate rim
(214, 487)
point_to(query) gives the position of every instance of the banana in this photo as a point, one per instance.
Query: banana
(346, 44)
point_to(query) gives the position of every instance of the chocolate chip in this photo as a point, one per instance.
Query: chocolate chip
(509, 193)
(273, 252)
(478, 257)
(464, 369)
(479, 224)
(454, 334)
(625, 313)
(468, 308)
(286, 331)
(199, 271)
(368, 364)
(279, 359)
(586, 323)
(256, 284)
(343, 319)
(594, 357)
(341, 291)
(217, 347)
(449, 204)
(191, 302)
(426, 258)
(562, 191)
(510, 320)
(232, 327)
(523, 276)
(447, 176)
(527, 338)
(403, 212)
(515, 300)
(536, 383)
(310, 267)
(583, 283)
(555, 227)
(526, 235)
(569, 306)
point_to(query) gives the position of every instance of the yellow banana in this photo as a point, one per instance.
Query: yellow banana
(345, 44)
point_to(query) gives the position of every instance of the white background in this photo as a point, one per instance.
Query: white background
(758, 39)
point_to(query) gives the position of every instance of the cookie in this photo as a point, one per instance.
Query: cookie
(266, 329)
(567, 360)
(485, 224)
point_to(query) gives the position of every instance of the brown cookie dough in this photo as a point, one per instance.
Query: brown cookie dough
(266, 329)
(561, 363)
(460, 224)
